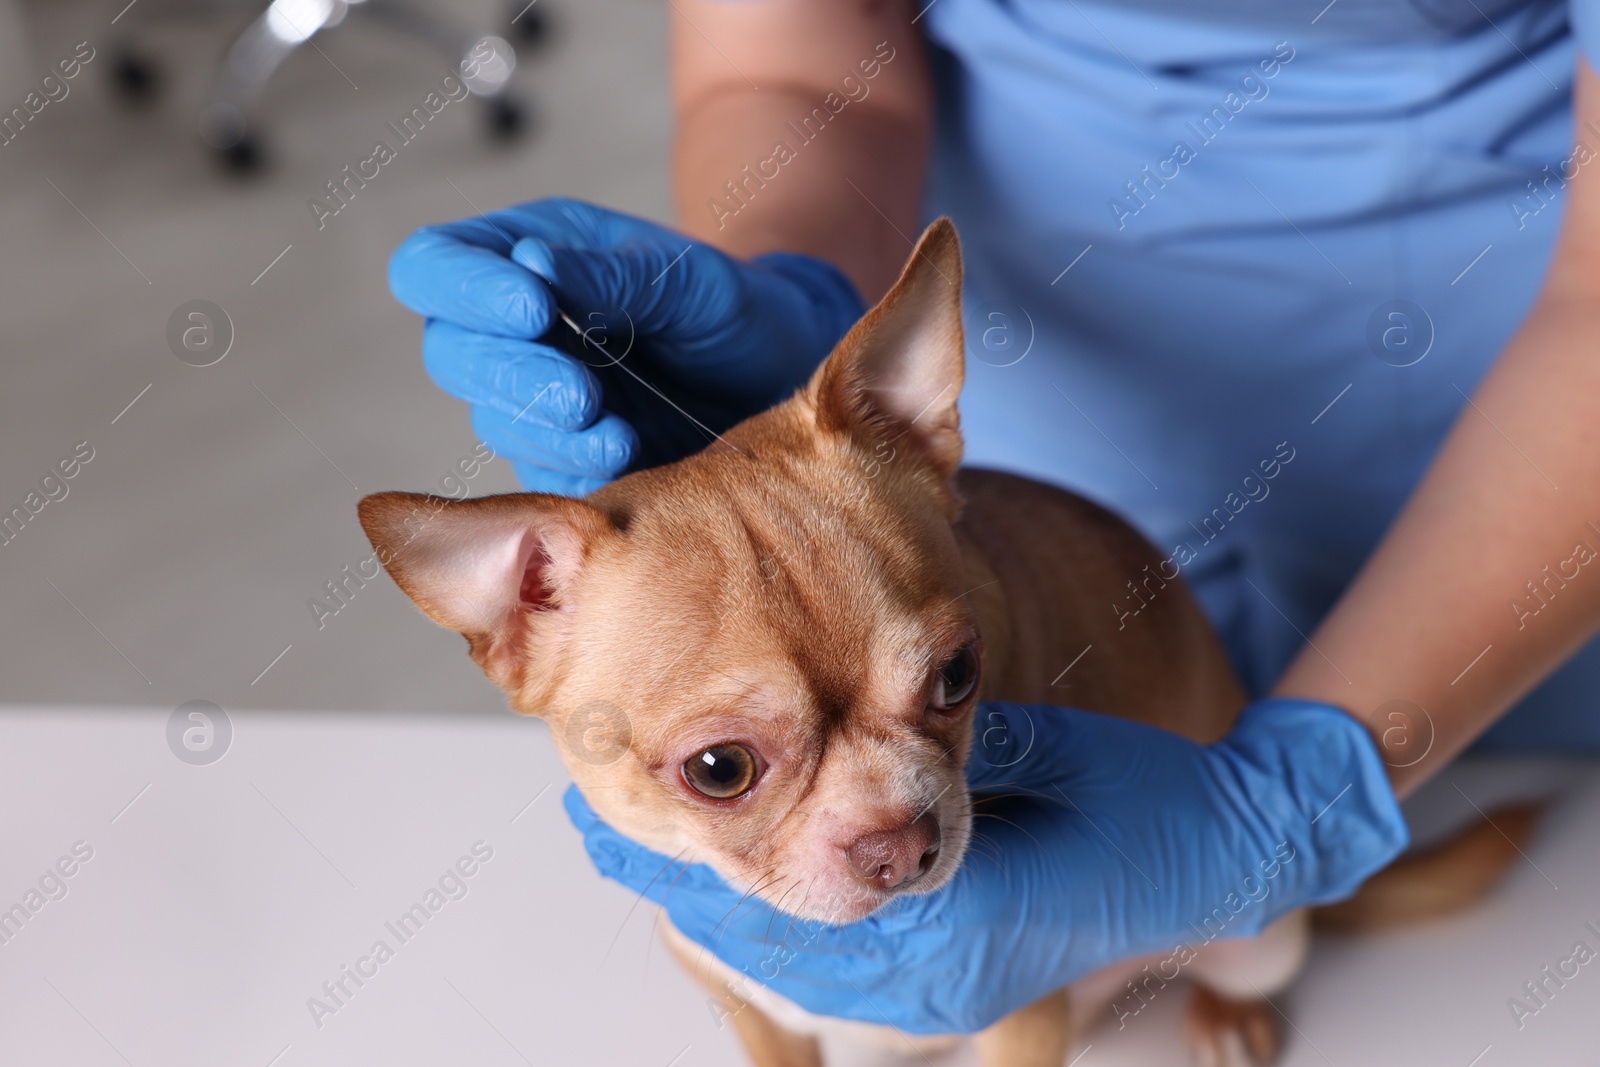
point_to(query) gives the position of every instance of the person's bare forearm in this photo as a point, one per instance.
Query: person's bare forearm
(826, 201)
(1443, 616)
(1491, 575)
(803, 126)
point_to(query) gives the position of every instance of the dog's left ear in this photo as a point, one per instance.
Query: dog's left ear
(898, 371)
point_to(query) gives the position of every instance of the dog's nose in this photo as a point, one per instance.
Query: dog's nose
(888, 858)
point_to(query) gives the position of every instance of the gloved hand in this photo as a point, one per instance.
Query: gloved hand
(721, 338)
(1119, 839)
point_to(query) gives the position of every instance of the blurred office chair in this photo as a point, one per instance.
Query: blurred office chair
(231, 122)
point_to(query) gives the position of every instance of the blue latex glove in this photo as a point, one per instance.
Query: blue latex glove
(722, 338)
(1121, 839)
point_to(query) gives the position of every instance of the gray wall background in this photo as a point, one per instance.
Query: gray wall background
(206, 520)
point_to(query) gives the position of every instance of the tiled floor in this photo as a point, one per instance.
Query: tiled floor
(218, 899)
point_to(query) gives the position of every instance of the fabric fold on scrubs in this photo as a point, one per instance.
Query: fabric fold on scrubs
(1234, 267)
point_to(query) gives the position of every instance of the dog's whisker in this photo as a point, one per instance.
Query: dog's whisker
(1008, 822)
(998, 866)
(978, 838)
(989, 851)
(1023, 795)
(634, 906)
(728, 917)
(1024, 791)
(703, 949)
(674, 883)
(726, 922)
(804, 898)
(777, 909)
(650, 942)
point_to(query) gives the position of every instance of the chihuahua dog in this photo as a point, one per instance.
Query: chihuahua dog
(796, 623)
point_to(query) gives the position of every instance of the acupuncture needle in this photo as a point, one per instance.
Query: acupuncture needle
(583, 338)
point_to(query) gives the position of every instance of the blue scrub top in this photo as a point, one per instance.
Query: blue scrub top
(1233, 267)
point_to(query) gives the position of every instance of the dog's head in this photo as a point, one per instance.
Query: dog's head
(759, 657)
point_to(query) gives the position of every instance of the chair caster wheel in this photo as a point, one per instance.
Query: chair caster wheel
(530, 26)
(243, 158)
(135, 77)
(505, 119)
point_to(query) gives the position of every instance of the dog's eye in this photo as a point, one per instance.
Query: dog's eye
(955, 679)
(721, 772)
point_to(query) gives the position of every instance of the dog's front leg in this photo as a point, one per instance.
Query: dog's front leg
(1231, 1022)
(1035, 1036)
(765, 1042)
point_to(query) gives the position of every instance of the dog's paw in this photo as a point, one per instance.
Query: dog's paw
(1232, 1033)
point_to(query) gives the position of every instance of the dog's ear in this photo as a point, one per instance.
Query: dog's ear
(899, 369)
(498, 569)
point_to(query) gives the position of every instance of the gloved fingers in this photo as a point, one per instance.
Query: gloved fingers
(828, 970)
(1036, 746)
(810, 962)
(743, 931)
(642, 870)
(439, 273)
(1314, 774)
(601, 452)
(526, 380)
(537, 479)
(1043, 746)
(674, 288)
(462, 271)
(804, 961)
